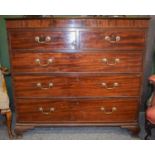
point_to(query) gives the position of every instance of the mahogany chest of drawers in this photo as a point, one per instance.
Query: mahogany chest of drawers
(77, 71)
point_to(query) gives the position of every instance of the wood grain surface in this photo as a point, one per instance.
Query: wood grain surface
(26, 86)
(89, 61)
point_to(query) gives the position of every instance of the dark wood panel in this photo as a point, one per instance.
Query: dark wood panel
(42, 39)
(112, 40)
(105, 85)
(74, 111)
(92, 61)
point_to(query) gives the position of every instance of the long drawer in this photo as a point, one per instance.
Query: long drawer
(77, 110)
(77, 85)
(121, 39)
(90, 61)
(42, 39)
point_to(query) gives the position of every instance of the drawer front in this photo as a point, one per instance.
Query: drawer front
(103, 85)
(112, 40)
(42, 111)
(76, 62)
(106, 110)
(43, 40)
(77, 110)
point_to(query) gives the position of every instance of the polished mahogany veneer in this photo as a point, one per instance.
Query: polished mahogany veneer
(82, 71)
(112, 40)
(41, 39)
(77, 86)
(89, 61)
(81, 110)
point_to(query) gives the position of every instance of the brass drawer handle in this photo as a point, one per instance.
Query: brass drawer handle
(46, 112)
(42, 40)
(38, 61)
(114, 85)
(108, 112)
(112, 38)
(111, 62)
(39, 85)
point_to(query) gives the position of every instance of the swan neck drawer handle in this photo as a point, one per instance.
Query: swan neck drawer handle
(114, 85)
(38, 61)
(112, 38)
(108, 112)
(111, 62)
(46, 112)
(39, 85)
(42, 40)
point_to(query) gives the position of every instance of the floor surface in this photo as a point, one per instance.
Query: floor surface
(78, 133)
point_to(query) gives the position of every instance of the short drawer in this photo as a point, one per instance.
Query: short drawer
(77, 62)
(108, 110)
(90, 85)
(42, 39)
(112, 40)
(42, 110)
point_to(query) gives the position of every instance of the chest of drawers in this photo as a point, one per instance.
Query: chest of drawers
(77, 72)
